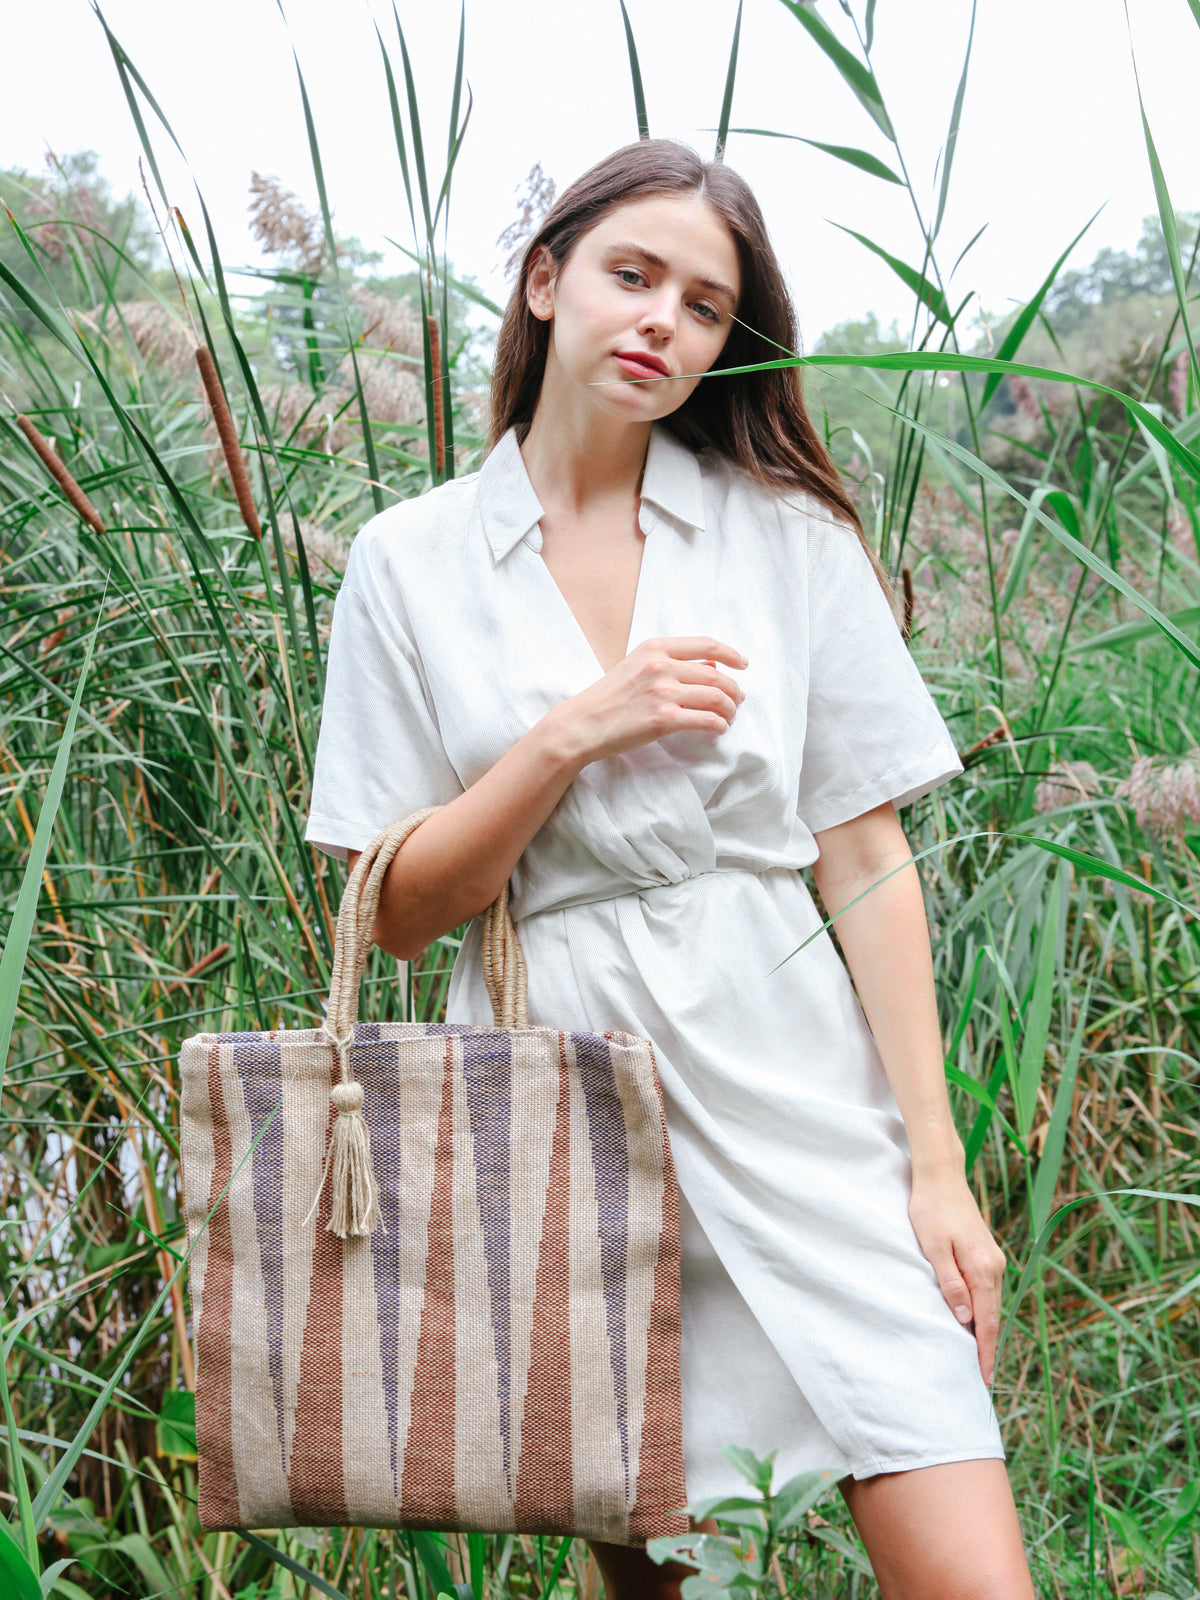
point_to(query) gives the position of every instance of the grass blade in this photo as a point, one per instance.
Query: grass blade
(930, 296)
(327, 217)
(1166, 214)
(468, 290)
(859, 77)
(454, 138)
(398, 131)
(862, 159)
(290, 1564)
(20, 1580)
(1015, 336)
(564, 1547)
(1049, 1165)
(429, 1549)
(1130, 632)
(1037, 1015)
(952, 136)
(1043, 1239)
(20, 928)
(414, 122)
(730, 79)
(953, 361)
(635, 72)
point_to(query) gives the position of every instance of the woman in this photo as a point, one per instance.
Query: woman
(647, 665)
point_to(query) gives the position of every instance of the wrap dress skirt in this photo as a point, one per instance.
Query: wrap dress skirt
(665, 896)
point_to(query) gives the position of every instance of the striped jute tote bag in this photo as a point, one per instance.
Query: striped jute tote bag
(434, 1268)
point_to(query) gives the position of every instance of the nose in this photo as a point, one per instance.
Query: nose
(658, 316)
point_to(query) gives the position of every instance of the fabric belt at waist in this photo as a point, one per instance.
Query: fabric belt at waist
(645, 889)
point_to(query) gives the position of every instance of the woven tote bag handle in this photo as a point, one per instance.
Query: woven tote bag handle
(355, 1208)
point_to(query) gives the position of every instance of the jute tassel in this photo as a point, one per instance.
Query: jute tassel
(354, 1204)
(227, 434)
(57, 470)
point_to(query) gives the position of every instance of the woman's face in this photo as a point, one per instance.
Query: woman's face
(647, 293)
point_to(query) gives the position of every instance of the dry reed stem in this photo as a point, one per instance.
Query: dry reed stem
(238, 475)
(57, 470)
(198, 967)
(439, 416)
(1000, 731)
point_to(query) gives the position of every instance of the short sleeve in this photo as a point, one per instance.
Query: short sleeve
(873, 732)
(379, 753)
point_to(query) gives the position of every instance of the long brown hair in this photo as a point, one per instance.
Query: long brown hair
(756, 419)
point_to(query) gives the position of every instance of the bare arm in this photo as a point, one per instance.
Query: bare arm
(458, 860)
(456, 863)
(885, 939)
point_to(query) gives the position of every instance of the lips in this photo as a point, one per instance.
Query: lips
(641, 364)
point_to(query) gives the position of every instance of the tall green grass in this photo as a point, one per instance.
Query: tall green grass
(161, 687)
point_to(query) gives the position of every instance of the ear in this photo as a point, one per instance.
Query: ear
(539, 285)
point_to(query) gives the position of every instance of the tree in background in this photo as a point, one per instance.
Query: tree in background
(88, 245)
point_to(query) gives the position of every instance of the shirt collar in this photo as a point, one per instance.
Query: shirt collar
(510, 509)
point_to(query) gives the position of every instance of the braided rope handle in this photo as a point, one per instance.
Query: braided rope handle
(504, 970)
(354, 1208)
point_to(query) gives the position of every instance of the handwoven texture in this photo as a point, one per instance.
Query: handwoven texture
(503, 1352)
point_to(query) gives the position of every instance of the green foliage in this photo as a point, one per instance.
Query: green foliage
(742, 1557)
(1116, 276)
(87, 244)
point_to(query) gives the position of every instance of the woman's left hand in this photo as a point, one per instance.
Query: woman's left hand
(968, 1261)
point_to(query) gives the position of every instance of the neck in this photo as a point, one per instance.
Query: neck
(576, 455)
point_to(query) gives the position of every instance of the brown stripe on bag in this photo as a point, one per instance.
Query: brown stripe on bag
(544, 1497)
(427, 1481)
(218, 1500)
(661, 1487)
(315, 1477)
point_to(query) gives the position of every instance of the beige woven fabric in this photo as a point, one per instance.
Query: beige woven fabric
(498, 1346)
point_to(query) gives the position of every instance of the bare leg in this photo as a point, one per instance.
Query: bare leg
(942, 1533)
(631, 1575)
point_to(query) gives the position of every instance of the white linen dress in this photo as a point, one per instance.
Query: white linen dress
(663, 896)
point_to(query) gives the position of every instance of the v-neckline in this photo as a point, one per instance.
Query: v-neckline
(600, 669)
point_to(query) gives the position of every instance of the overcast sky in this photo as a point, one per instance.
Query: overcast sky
(1050, 132)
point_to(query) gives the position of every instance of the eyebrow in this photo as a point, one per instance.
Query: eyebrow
(631, 249)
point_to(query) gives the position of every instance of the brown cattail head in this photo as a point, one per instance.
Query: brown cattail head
(57, 470)
(907, 585)
(238, 475)
(435, 379)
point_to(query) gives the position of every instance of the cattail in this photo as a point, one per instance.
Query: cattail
(59, 473)
(906, 584)
(439, 415)
(229, 445)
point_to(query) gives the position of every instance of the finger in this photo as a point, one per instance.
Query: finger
(952, 1284)
(706, 673)
(983, 1272)
(701, 648)
(705, 697)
